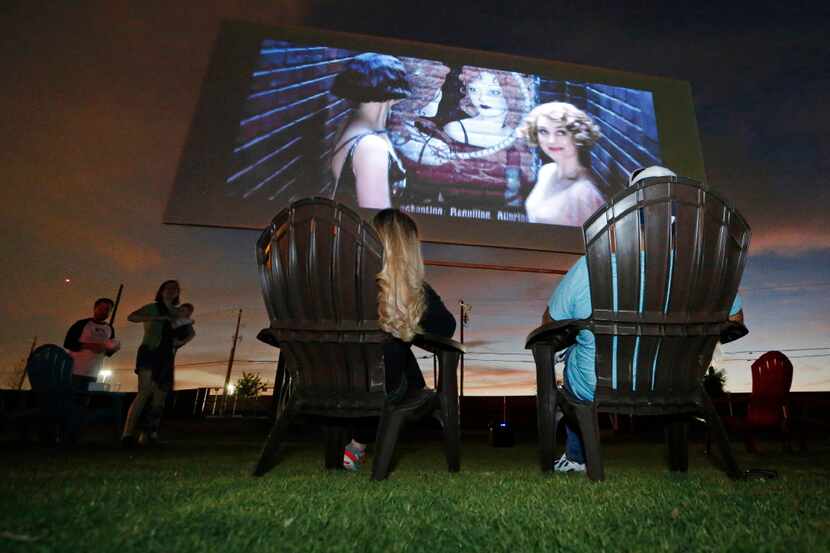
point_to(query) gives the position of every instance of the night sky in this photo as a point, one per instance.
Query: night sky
(99, 97)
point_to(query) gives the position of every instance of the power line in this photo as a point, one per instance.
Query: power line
(201, 363)
(806, 356)
(790, 357)
(508, 362)
(782, 349)
(787, 286)
(498, 353)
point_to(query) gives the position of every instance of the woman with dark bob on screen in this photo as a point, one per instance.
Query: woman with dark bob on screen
(407, 305)
(366, 170)
(154, 362)
(565, 192)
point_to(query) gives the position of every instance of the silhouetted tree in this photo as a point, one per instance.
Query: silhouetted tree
(250, 385)
(713, 382)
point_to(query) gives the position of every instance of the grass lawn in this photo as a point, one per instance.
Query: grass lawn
(196, 495)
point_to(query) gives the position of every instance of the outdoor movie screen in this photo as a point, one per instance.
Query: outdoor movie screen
(451, 139)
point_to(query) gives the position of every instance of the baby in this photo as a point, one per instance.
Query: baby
(182, 324)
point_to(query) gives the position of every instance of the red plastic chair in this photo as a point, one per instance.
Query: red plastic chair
(769, 408)
(772, 376)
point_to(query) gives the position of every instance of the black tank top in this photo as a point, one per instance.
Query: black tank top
(345, 189)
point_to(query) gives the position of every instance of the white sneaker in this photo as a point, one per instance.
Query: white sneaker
(353, 457)
(563, 464)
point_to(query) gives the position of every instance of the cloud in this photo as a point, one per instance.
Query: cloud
(790, 241)
(198, 378)
(88, 239)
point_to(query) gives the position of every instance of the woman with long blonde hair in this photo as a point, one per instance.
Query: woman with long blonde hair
(401, 294)
(407, 306)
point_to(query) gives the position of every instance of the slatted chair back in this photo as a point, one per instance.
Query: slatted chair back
(772, 376)
(664, 260)
(49, 369)
(317, 262)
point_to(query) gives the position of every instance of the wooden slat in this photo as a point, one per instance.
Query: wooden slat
(627, 230)
(668, 364)
(599, 270)
(645, 361)
(657, 244)
(710, 266)
(686, 255)
(625, 363)
(604, 357)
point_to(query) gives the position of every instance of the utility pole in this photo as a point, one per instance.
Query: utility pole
(117, 302)
(464, 316)
(23, 371)
(461, 318)
(230, 362)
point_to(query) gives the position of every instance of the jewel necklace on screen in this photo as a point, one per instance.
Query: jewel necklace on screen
(506, 143)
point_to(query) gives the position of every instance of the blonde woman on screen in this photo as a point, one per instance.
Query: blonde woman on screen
(565, 192)
(407, 305)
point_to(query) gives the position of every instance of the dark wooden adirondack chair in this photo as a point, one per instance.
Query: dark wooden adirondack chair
(49, 369)
(680, 252)
(318, 261)
(769, 409)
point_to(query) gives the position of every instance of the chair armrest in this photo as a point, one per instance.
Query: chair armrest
(449, 353)
(732, 331)
(266, 336)
(437, 344)
(559, 334)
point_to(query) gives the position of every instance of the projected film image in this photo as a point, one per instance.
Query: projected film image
(435, 139)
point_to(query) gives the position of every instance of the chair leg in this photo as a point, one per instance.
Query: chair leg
(708, 440)
(268, 457)
(786, 437)
(388, 430)
(449, 412)
(545, 404)
(750, 442)
(588, 421)
(452, 432)
(336, 437)
(677, 445)
(721, 438)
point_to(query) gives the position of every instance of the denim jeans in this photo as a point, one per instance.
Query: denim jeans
(574, 450)
(573, 446)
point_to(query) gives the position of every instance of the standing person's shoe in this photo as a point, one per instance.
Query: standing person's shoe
(566, 465)
(152, 439)
(127, 442)
(149, 439)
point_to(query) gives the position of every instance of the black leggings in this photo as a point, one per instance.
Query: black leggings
(403, 375)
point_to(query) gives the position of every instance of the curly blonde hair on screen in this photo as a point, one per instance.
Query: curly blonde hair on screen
(579, 124)
(401, 301)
